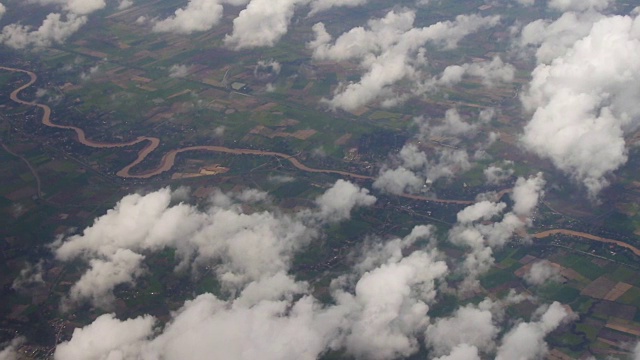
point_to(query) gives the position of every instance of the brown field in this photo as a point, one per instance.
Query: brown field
(343, 139)
(93, 53)
(300, 134)
(359, 112)
(556, 354)
(25, 192)
(289, 122)
(617, 291)
(527, 259)
(266, 107)
(186, 91)
(624, 326)
(599, 288)
(606, 309)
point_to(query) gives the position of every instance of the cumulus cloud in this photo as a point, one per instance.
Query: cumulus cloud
(29, 277)
(578, 5)
(275, 318)
(398, 181)
(56, 28)
(392, 303)
(542, 272)
(337, 202)
(497, 175)
(413, 170)
(3, 10)
(526, 194)
(78, 7)
(125, 4)
(97, 283)
(107, 338)
(324, 5)
(526, 340)
(462, 352)
(583, 103)
(483, 210)
(178, 71)
(490, 72)
(244, 247)
(262, 23)
(552, 39)
(480, 238)
(198, 15)
(388, 49)
(472, 326)
(248, 246)
(267, 69)
(9, 351)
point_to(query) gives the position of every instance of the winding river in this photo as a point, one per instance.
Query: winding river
(168, 160)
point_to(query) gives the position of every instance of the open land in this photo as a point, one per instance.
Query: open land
(69, 156)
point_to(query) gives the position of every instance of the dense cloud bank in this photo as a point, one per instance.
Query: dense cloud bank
(245, 247)
(379, 310)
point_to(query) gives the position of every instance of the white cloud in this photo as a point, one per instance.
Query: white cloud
(3, 10)
(388, 303)
(469, 325)
(462, 352)
(178, 71)
(125, 4)
(198, 15)
(29, 277)
(324, 5)
(480, 239)
(553, 39)
(97, 283)
(337, 202)
(56, 28)
(542, 272)
(526, 340)
(412, 170)
(526, 194)
(388, 309)
(107, 338)
(578, 5)
(490, 72)
(526, 2)
(453, 125)
(267, 69)
(262, 23)
(9, 351)
(497, 175)
(583, 103)
(243, 247)
(483, 210)
(398, 181)
(78, 7)
(388, 50)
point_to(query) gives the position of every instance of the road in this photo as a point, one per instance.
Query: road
(31, 168)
